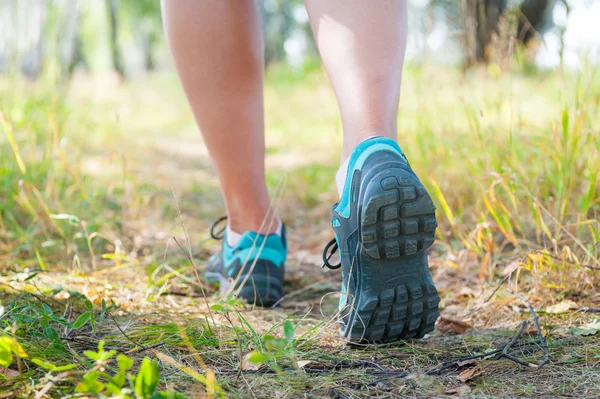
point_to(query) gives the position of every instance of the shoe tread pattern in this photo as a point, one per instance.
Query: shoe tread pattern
(397, 223)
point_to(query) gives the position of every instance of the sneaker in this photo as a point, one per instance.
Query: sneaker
(253, 270)
(383, 225)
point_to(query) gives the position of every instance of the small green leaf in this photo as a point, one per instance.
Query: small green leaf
(272, 342)
(60, 320)
(108, 355)
(5, 354)
(234, 302)
(76, 294)
(51, 334)
(167, 395)
(257, 358)
(92, 355)
(40, 260)
(88, 304)
(65, 367)
(73, 220)
(93, 322)
(124, 362)
(56, 289)
(288, 330)
(587, 329)
(32, 275)
(146, 379)
(90, 383)
(82, 320)
(47, 309)
(217, 307)
(103, 305)
(46, 365)
(119, 378)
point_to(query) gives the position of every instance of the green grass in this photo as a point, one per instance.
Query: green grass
(94, 174)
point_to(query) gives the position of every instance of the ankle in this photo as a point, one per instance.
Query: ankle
(265, 224)
(275, 226)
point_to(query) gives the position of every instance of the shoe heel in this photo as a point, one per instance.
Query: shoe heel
(397, 298)
(399, 217)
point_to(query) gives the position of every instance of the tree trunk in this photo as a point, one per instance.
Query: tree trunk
(117, 57)
(481, 19)
(535, 16)
(70, 44)
(147, 38)
(32, 61)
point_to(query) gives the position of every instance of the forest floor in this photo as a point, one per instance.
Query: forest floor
(108, 197)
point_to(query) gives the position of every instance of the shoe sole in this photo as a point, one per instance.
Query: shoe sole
(395, 295)
(258, 290)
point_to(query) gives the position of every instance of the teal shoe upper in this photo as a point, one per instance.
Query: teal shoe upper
(357, 160)
(270, 248)
(255, 266)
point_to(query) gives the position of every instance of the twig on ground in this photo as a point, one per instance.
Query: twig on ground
(588, 310)
(504, 280)
(536, 321)
(145, 348)
(454, 362)
(515, 338)
(502, 352)
(185, 294)
(509, 275)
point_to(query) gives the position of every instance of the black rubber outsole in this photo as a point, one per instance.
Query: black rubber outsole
(395, 295)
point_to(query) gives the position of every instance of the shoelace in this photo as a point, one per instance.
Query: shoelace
(332, 248)
(221, 232)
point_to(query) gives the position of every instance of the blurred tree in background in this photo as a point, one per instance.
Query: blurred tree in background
(480, 23)
(56, 37)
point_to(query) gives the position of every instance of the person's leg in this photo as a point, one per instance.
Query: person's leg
(218, 51)
(362, 46)
(217, 47)
(385, 219)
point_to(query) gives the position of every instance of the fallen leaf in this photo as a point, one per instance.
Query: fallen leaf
(510, 268)
(446, 324)
(249, 361)
(459, 390)
(8, 373)
(587, 329)
(469, 374)
(303, 363)
(562, 307)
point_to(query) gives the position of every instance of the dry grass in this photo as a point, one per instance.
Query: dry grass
(90, 212)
